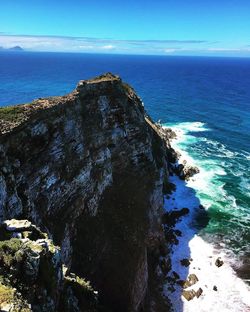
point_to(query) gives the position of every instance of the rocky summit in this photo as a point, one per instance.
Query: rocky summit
(82, 178)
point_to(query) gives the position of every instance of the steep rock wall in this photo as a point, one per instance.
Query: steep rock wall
(88, 168)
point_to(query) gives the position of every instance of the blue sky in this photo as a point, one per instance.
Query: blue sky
(170, 27)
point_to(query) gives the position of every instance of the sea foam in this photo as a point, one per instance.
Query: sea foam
(222, 289)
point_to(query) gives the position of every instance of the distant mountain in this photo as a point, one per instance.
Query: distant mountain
(16, 48)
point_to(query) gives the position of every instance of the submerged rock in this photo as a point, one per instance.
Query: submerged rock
(185, 262)
(171, 218)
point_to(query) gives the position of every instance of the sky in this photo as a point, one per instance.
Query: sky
(164, 27)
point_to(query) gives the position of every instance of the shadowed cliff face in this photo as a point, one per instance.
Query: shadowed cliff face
(89, 168)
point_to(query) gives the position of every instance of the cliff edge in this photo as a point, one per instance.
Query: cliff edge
(89, 168)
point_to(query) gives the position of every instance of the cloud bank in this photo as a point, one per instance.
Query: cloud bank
(106, 45)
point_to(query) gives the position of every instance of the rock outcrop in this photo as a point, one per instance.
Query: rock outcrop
(185, 172)
(88, 168)
(32, 276)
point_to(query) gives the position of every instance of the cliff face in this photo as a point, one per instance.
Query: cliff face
(88, 168)
(32, 275)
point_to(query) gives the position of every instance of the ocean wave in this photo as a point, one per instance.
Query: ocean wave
(215, 162)
(189, 126)
(232, 293)
(245, 185)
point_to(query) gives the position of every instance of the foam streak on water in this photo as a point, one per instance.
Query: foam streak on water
(203, 246)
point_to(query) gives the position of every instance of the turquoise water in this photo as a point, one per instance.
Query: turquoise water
(223, 186)
(206, 99)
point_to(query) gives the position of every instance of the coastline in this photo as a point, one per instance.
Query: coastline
(217, 287)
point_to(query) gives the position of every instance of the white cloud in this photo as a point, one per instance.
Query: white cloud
(67, 43)
(87, 47)
(239, 50)
(170, 50)
(98, 45)
(108, 47)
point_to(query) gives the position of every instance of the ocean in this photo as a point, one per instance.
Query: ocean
(206, 100)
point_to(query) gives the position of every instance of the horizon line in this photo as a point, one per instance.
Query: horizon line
(9, 51)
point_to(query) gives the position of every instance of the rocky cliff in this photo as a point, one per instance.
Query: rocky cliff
(89, 168)
(33, 277)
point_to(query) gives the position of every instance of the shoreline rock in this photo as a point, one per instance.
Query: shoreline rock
(185, 172)
(219, 262)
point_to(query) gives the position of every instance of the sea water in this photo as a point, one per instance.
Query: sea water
(207, 102)
(204, 242)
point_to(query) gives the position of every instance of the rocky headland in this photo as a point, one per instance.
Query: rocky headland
(82, 184)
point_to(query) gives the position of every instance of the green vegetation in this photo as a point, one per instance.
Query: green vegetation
(9, 296)
(6, 294)
(10, 252)
(79, 283)
(12, 113)
(86, 297)
(104, 77)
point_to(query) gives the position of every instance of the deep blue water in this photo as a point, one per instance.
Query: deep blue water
(179, 90)
(215, 91)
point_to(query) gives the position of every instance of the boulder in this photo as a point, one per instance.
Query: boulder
(169, 133)
(170, 218)
(185, 262)
(189, 294)
(199, 292)
(185, 172)
(191, 280)
(219, 262)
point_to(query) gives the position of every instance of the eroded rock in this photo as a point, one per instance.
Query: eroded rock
(32, 278)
